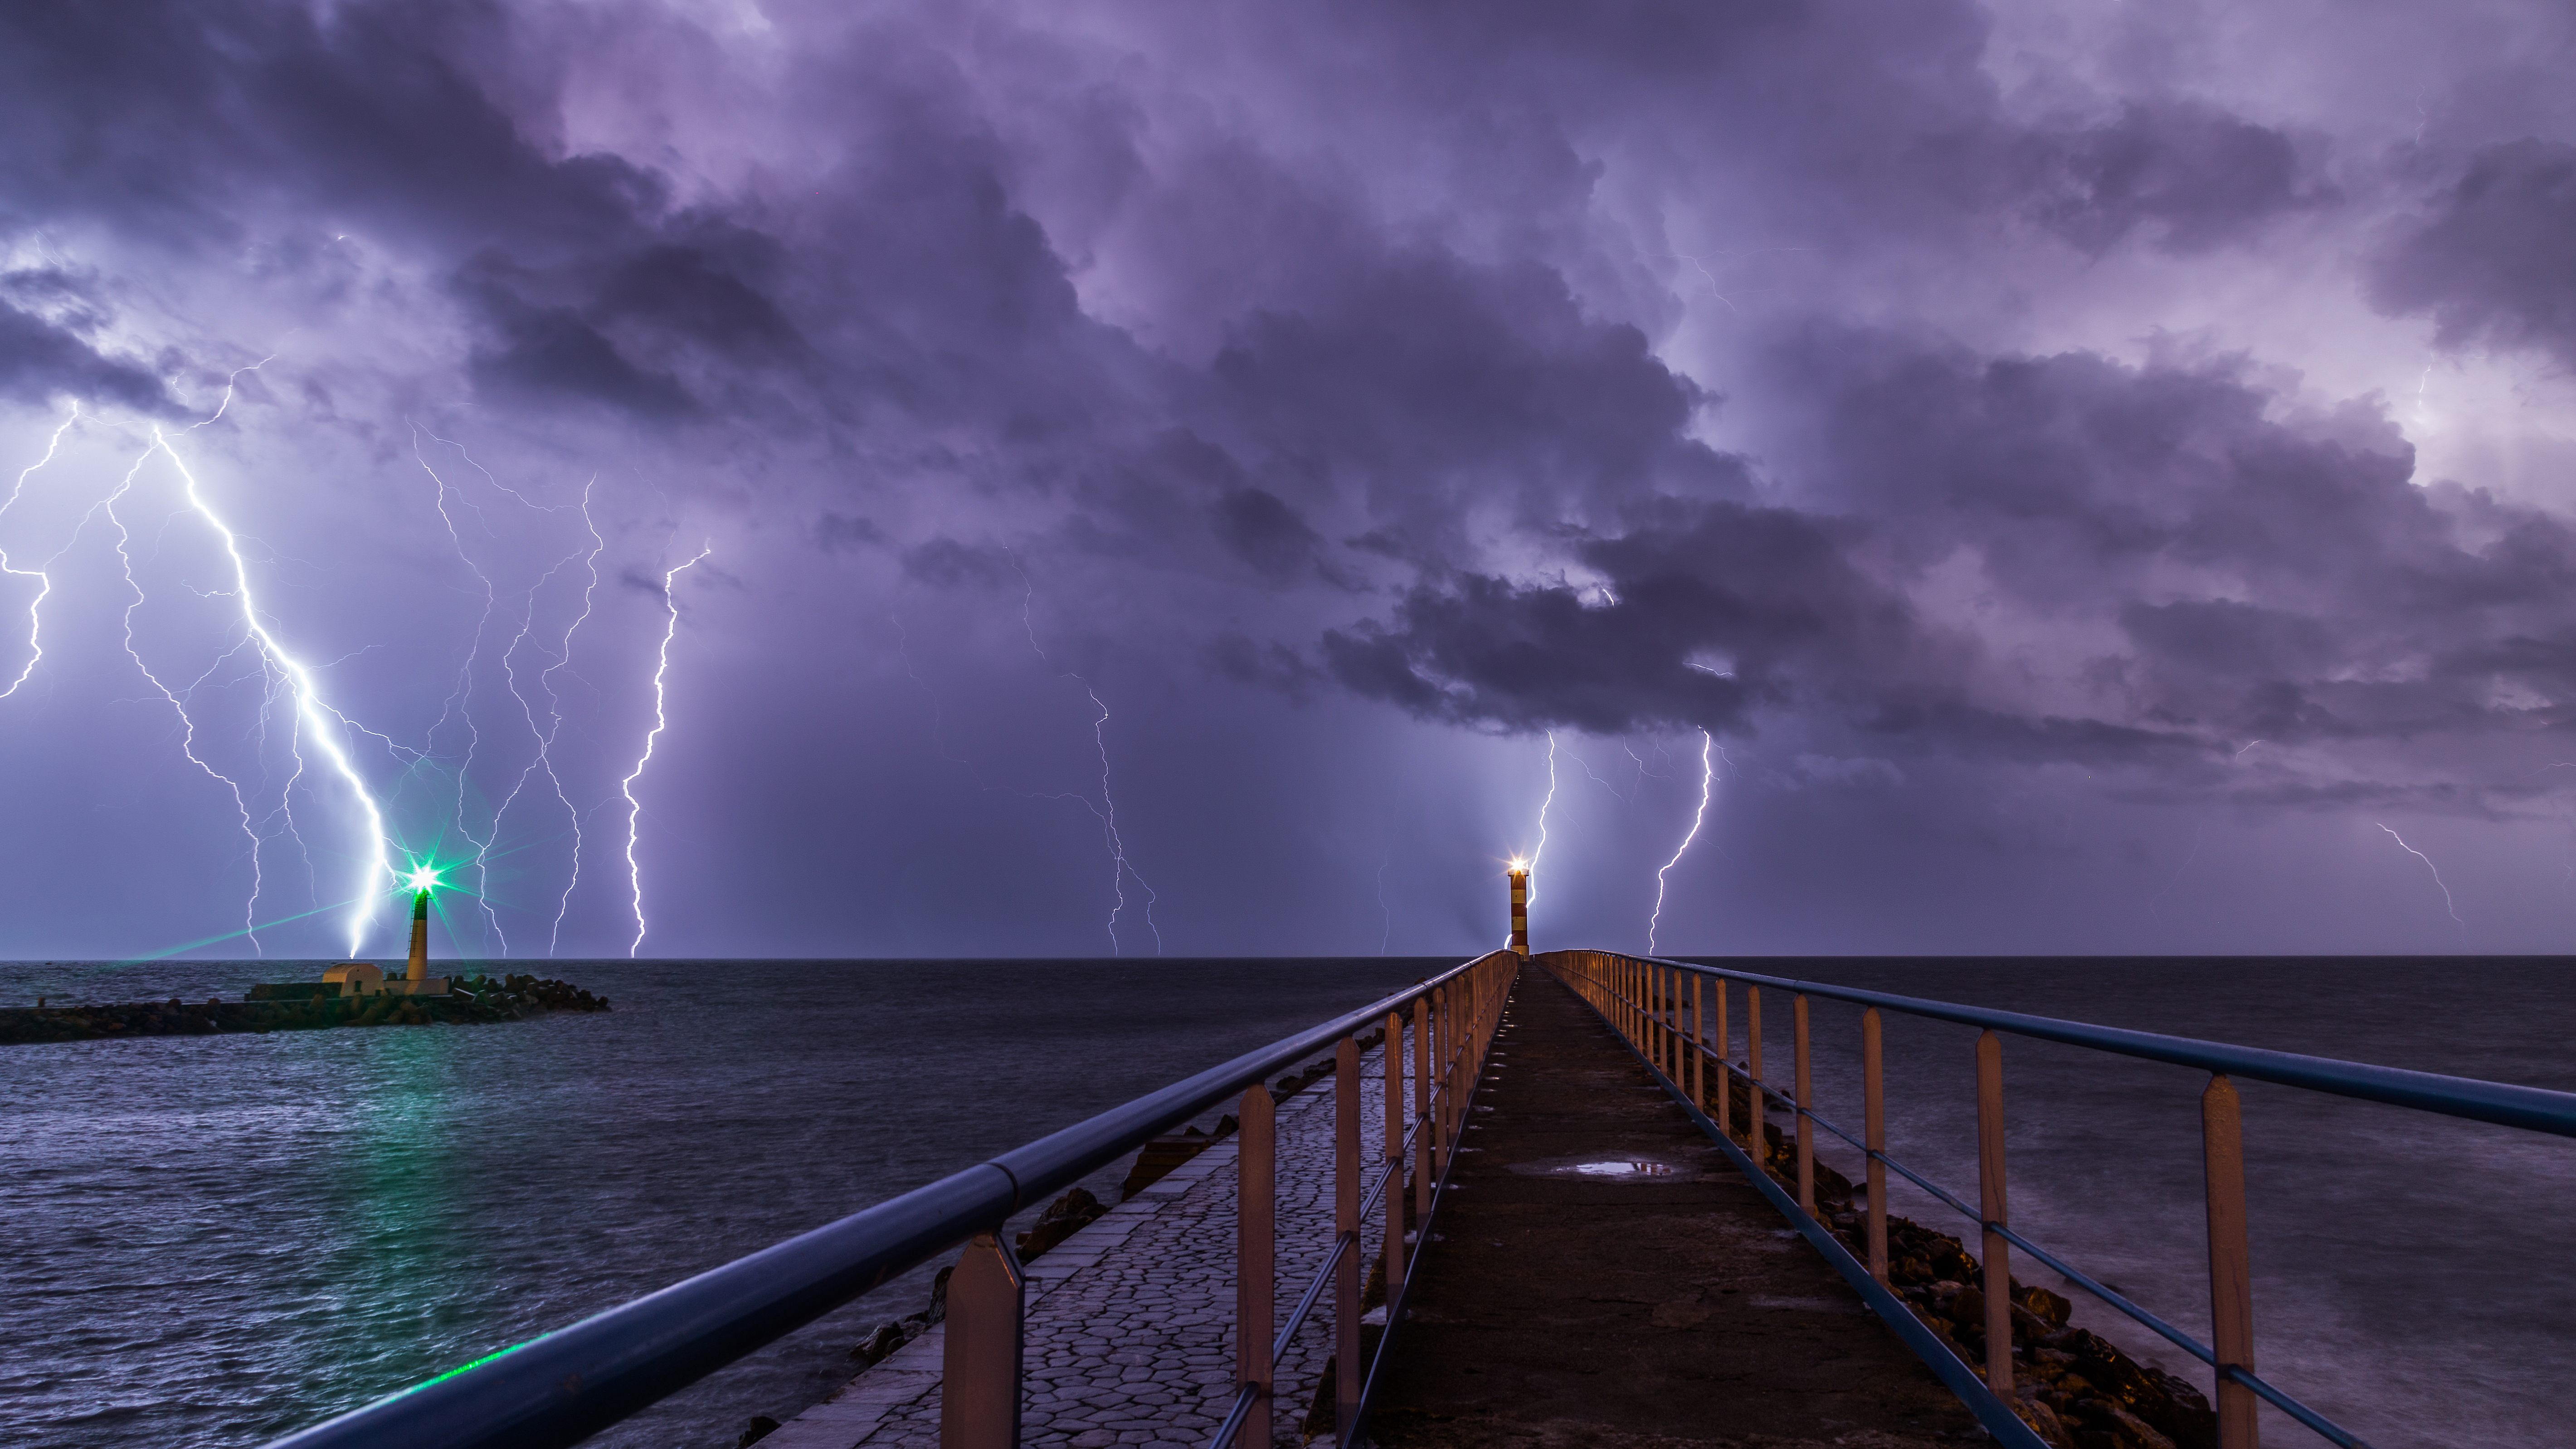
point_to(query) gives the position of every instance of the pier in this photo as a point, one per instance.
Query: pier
(1606, 1275)
(1558, 1206)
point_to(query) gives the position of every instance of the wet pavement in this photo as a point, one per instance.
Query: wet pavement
(1601, 1275)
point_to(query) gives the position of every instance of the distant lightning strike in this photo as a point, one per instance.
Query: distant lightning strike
(312, 711)
(1120, 870)
(45, 580)
(2447, 903)
(1530, 900)
(1707, 783)
(661, 721)
(1596, 779)
(314, 722)
(554, 706)
(187, 722)
(542, 736)
(463, 693)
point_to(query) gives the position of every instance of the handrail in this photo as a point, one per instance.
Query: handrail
(2538, 1109)
(2279, 1399)
(2531, 1108)
(561, 1387)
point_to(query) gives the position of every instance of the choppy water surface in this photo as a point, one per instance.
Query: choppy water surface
(2411, 1272)
(212, 1241)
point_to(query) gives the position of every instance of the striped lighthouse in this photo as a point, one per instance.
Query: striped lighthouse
(1520, 906)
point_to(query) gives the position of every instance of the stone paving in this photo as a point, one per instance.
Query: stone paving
(1130, 1327)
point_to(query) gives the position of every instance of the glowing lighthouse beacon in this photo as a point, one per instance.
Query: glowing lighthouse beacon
(417, 981)
(1520, 906)
(361, 978)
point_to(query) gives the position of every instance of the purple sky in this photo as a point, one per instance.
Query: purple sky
(2099, 473)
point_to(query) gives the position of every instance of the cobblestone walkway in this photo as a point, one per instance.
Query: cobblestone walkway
(1131, 1321)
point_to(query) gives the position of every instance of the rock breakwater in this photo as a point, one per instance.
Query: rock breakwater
(2076, 1389)
(472, 1000)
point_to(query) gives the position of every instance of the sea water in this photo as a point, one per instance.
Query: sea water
(215, 1240)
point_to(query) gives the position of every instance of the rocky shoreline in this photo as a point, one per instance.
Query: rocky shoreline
(469, 1000)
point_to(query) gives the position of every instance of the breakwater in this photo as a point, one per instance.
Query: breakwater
(470, 1000)
(2077, 1389)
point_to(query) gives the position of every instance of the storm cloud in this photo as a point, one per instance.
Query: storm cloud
(1205, 447)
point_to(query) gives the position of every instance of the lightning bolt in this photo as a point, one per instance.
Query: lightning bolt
(463, 693)
(2188, 857)
(1707, 783)
(187, 722)
(45, 580)
(1595, 776)
(312, 711)
(543, 736)
(554, 711)
(661, 721)
(1530, 901)
(2447, 903)
(1120, 871)
(1108, 813)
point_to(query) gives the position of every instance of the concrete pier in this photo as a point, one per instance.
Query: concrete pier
(1599, 1274)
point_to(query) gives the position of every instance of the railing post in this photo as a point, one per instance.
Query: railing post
(1753, 1134)
(1394, 1195)
(1664, 995)
(1655, 1016)
(1990, 1185)
(1255, 1257)
(1422, 1111)
(1647, 1046)
(979, 1402)
(1725, 1042)
(1698, 1050)
(1437, 1104)
(2231, 1274)
(1346, 1224)
(1806, 1120)
(1874, 1134)
(1668, 1001)
(1448, 1020)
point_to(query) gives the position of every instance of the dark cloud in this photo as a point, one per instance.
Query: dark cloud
(185, 119)
(40, 362)
(1633, 367)
(554, 353)
(2186, 176)
(1419, 384)
(2246, 576)
(2494, 260)
(835, 532)
(948, 563)
(1706, 612)
(1262, 531)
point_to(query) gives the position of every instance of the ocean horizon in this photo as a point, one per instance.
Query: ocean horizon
(226, 1238)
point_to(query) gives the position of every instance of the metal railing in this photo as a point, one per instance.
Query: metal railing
(564, 1386)
(1645, 1000)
